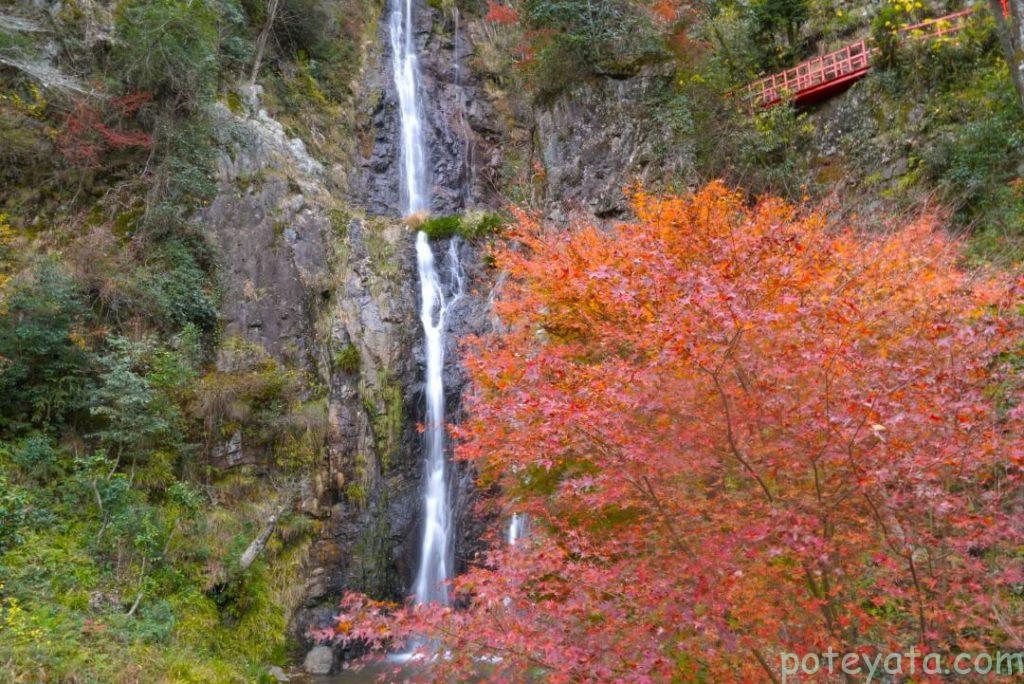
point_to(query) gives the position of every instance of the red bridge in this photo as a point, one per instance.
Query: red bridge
(822, 77)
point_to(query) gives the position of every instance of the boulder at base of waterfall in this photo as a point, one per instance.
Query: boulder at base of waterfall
(319, 660)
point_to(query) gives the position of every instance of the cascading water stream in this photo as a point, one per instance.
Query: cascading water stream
(405, 67)
(435, 562)
(435, 552)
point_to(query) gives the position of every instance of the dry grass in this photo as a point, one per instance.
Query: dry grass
(417, 219)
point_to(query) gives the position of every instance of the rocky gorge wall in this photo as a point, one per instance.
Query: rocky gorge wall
(461, 145)
(323, 277)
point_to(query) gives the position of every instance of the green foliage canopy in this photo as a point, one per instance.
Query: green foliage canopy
(169, 48)
(578, 38)
(42, 366)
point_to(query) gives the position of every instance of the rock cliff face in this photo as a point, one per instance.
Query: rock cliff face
(325, 280)
(331, 292)
(271, 223)
(327, 284)
(598, 139)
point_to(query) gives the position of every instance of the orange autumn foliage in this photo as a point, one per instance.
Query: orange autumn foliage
(738, 432)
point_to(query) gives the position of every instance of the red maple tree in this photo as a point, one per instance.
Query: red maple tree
(92, 130)
(737, 432)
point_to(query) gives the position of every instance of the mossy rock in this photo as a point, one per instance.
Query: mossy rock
(340, 219)
(384, 405)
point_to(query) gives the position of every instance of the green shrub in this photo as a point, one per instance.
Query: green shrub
(35, 457)
(43, 364)
(313, 32)
(974, 155)
(473, 225)
(169, 48)
(481, 224)
(154, 623)
(13, 513)
(770, 150)
(183, 175)
(346, 359)
(177, 285)
(928, 67)
(884, 32)
(575, 39)
(235, 26)
(441, 227)
(132, 419)
(773, 20)
(305, 26)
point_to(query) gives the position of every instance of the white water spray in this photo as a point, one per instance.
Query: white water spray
(405, 67)
(436, 560)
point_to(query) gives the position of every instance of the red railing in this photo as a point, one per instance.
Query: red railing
(842, 63)
(822, 76)
(935, 28)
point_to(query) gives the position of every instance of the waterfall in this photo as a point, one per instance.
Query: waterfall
(405, 67)
(516, 528)
(436, 549)
(435, 552)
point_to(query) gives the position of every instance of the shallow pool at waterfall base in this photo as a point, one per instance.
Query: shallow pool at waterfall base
(396, 668)
(375, 672)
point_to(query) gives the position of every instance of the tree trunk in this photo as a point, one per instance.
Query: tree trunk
(257, 545)
(261, 41)
(1010, 26)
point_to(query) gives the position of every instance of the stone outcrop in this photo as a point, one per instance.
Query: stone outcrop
(319, 660)
(599, 138)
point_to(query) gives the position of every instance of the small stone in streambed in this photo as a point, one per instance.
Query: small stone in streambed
(319, 660)
(277, 674)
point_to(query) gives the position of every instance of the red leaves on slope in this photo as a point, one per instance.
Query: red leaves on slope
(90, 131)
(499, 13)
